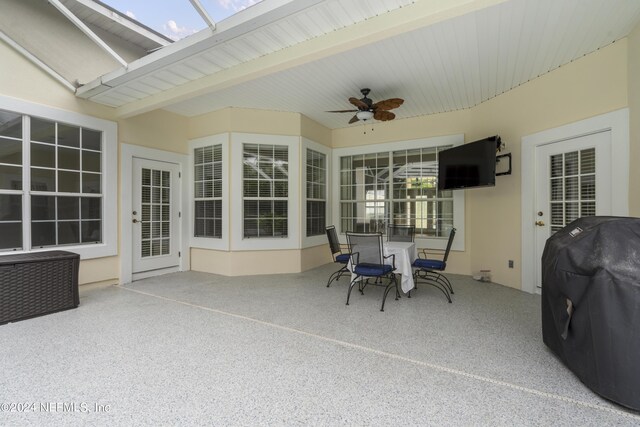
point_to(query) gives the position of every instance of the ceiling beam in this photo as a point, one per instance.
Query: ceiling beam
(87, 31)
(125, 21)
(203, 13)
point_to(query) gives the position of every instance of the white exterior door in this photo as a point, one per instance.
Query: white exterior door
(573, 180)
(155, 217)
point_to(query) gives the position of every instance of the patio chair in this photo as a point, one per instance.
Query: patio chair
(428, 269)
(337, 254)
(401, 233)
(368, 260)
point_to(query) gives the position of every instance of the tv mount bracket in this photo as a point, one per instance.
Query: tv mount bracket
(503, 159)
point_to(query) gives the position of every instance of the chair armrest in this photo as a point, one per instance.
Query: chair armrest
(393, 260)
(355, 257)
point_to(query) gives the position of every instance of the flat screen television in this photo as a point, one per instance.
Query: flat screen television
(468, 165)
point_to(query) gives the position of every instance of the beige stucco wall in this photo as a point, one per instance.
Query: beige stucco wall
(592, 85)
(259, 262)
(40, 28)
(245, 263)
(157, 129)
(403, 129)
(245, 120)
(314, 131)
(21, 79)
(315, 257)
(634, 120)
(258, 121)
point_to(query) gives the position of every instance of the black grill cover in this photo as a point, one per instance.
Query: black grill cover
(591, 304)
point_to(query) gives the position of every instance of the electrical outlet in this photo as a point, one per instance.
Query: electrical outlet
(510, 263)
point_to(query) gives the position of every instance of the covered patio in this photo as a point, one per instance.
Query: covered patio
(196, 348)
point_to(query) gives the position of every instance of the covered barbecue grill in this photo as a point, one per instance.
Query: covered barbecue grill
(591, 304)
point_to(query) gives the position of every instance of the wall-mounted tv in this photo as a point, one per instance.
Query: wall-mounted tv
(468, 165)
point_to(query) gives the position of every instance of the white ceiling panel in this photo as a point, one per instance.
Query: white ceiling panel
(451, 65)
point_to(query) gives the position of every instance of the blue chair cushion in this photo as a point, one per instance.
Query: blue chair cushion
(343, 258)
(429, 264)
(371, 270)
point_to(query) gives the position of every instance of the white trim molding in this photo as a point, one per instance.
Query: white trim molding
(617, 122)
(127, 153)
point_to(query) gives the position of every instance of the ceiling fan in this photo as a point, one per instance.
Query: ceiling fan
(367, 109)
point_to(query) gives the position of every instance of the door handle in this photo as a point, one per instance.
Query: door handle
(540, 223)
(135, 221)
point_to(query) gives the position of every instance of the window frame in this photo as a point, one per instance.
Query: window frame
(14, 192)
(109, 165)
(221, 243)
(310, 241)
(458, 196)
(292, 241)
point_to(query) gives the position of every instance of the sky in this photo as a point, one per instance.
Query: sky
(177, 19)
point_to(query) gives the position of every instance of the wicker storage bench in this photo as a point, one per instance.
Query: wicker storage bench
(37, 283)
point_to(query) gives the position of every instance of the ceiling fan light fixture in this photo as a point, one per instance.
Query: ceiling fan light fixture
(364, 115)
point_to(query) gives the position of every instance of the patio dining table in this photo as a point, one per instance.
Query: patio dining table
(406, 253)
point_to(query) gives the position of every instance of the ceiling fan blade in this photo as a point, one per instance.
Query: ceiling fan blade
(383, 116)
(361, 105)
(388, 104)
(342, 111)
(354, 119)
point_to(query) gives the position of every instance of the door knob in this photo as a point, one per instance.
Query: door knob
(540, 223)
(135, 221)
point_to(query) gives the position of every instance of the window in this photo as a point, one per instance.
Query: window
(396, 183)
(54, 190)
(265, 190)
(416, 199)
(364, 192)
(10, 180)
(208, 191)
(316, 193)
(156, 212)
(398, 187)
(572, 186)
(65, 175)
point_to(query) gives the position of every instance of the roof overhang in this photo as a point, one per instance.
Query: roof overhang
(124, 88)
